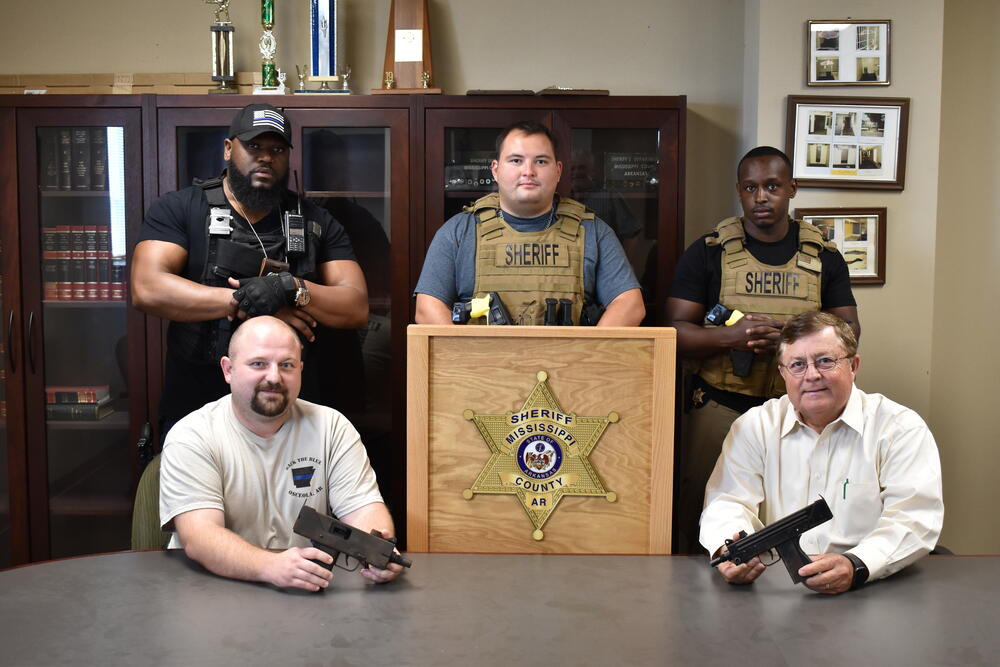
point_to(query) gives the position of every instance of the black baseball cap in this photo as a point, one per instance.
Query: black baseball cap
(254, 120)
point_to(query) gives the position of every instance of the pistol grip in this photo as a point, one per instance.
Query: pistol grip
(793, 557)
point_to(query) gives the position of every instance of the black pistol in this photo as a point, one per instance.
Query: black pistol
(498, 311)
(337, 538)
(782, 535)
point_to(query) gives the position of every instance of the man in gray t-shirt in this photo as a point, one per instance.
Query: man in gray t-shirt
(236, 472)
(529, 246)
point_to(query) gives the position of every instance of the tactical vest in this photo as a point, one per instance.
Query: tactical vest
(233, 250)
(754, 287)
(525, 268)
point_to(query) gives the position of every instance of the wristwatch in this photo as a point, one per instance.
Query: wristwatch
(302, 296)
(860, 571)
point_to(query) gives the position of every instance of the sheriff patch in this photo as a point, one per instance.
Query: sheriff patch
(771, 283)
(532, 254)
(539, 454)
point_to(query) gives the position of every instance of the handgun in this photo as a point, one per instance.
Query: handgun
(339, 539)
(782, 535)
(498, 312)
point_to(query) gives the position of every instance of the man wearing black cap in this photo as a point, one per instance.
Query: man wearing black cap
(238, 246)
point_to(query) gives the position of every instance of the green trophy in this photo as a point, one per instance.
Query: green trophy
(268, 46)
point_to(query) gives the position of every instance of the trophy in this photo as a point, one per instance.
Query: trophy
(222, 48)
(326, 47)
(408, 69)
(268, 47)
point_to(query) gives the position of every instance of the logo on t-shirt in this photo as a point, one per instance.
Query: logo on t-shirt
(302, 472)
(301, 477)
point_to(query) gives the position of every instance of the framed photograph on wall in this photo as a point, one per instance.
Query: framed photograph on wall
(847, 142)
(847, 53)
(859, 234)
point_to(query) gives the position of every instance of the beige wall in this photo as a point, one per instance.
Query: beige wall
(966, 319)
(895, 361)
(736, 61)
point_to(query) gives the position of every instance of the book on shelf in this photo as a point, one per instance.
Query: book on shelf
(65, 159)
(48, 158)
(77, 394)
(64, 283)
(79, 411)
(104, 263)
(118, 279)
(90, 272)
(80, 174)
(77, 257)
(98, 158)
(50, 264)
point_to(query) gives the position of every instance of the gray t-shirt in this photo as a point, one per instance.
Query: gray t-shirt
(449, 272)
(210, 460)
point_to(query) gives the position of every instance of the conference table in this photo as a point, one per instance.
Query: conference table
(160, 608)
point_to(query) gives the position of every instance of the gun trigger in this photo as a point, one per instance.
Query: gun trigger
(347, 561)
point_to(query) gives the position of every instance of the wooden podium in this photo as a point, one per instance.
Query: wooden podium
(468, 390)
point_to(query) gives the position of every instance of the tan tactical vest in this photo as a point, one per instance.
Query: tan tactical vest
(753, 287)
(525, 268)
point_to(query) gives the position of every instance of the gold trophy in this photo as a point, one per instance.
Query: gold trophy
(222, 48)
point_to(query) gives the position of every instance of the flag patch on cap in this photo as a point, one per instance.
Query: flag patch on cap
(268, 118)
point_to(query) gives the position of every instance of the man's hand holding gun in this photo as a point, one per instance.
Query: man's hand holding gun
(739, 559)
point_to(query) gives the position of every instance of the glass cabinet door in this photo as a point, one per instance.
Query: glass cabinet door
(350, 165)
(461, 146)
(615, 164)
(76, 329)
(347, 161)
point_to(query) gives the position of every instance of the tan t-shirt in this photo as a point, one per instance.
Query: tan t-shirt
(210, 460)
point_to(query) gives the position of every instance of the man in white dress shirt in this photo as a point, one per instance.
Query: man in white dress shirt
(873, 460)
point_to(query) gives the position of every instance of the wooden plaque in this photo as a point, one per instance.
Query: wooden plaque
(408, 51)
(591, 371)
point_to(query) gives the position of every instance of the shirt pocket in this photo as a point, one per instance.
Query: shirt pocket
(856, 511)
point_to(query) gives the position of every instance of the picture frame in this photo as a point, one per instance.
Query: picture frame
(847, 142)
(860, 235)
(847, 52)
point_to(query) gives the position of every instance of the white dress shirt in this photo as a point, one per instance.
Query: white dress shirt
(876, 465)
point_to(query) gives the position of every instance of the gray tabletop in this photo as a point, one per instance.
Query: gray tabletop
(159, 608)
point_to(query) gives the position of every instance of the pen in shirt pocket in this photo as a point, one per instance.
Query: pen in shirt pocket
(846, 482)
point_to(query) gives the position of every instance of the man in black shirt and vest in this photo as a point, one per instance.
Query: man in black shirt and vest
(760, 270)
(239, 246)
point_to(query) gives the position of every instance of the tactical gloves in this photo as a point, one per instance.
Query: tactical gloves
(266, 295)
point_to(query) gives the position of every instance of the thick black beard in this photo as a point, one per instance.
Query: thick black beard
(251, 197)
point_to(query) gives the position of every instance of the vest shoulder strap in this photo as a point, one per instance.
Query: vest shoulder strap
(214, 193)
(730, 229)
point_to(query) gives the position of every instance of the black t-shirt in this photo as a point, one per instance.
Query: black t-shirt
(699, 269)
(191, 379)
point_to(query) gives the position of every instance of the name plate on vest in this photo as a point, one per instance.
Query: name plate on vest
(771, 283)
(533, 254)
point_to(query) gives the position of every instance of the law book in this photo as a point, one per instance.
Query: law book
(90, 272)
(77, 271)
(65, 159)
(81, 158)
(100, 393)
(50, 264)
(104, 263)
(79, 411)
(98, 158)
(118, 279)
(64, 283)
(48, 158)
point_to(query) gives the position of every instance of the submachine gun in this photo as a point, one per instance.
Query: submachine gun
(782, 535)
(339, 539)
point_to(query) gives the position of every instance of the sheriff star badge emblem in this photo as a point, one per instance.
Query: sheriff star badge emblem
(540, 454)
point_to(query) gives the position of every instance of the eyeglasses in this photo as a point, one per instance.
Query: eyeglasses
(823, 365)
